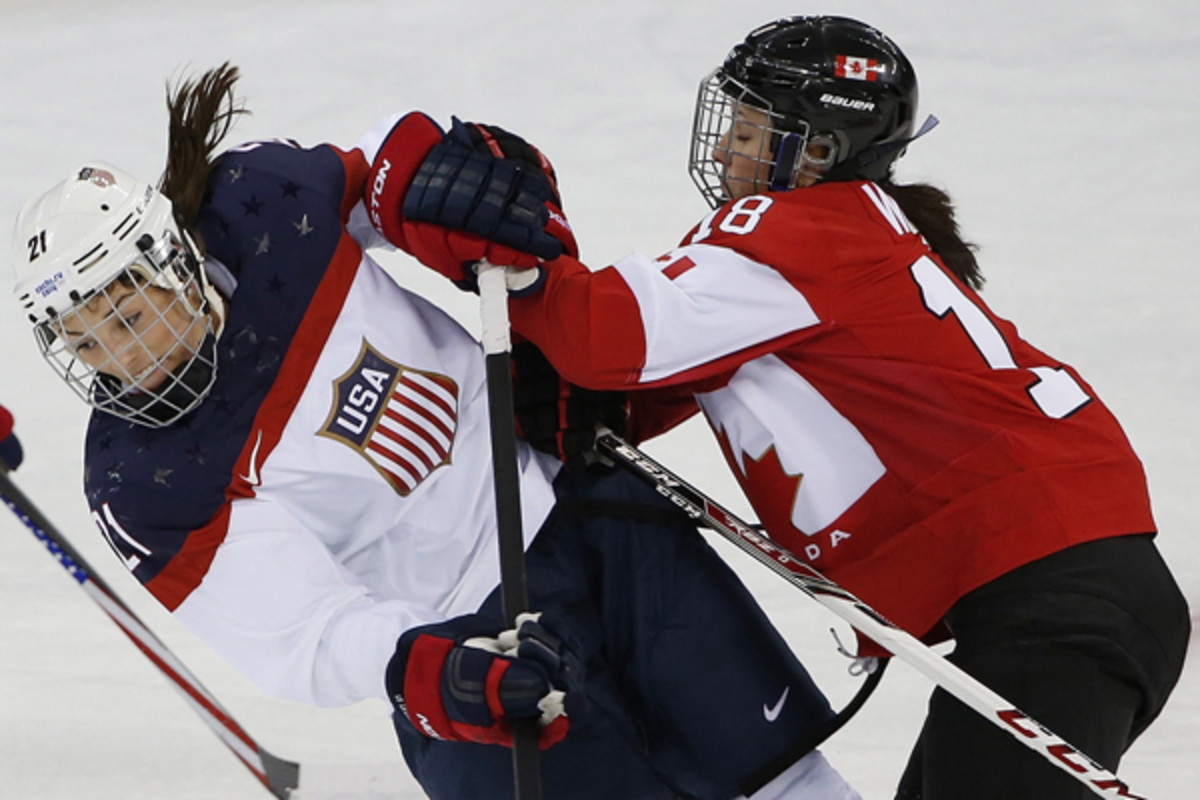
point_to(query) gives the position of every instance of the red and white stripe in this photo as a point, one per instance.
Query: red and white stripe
(416, 430)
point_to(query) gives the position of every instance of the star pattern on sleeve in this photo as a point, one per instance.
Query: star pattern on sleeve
(270, 212)
(197, 452)
(303, 227)
(253, 206)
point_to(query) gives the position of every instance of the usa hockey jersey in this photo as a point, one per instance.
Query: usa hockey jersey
(334, 489)
(884, 423)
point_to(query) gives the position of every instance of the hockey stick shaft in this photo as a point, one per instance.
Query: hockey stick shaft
(866, 620)
(277, 775)
(497, 347)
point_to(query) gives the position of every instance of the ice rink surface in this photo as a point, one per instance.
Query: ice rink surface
(1068, 139)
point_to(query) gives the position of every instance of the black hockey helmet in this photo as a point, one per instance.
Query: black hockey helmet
(829, 77)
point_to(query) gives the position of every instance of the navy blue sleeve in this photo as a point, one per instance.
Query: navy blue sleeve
(273, 215)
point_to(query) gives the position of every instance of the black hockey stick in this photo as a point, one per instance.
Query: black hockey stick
(278, 776)
(497, 348)
(867, 620)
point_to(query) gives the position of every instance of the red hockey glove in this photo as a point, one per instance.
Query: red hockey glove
(560, 418)
(11, 453)
(458, 681)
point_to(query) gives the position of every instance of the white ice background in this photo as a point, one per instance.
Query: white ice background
(1068, 138)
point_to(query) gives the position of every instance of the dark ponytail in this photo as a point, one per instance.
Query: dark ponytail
(200, 113)
(932, 212)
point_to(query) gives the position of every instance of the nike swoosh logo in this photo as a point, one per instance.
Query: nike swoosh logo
(771, 714)
(251, 475)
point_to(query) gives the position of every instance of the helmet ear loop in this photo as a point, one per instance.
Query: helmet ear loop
(819, 156)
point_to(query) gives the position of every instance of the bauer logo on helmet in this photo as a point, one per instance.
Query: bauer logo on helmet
(847, 102)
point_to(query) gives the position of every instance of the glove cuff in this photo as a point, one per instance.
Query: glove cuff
(418, 664)
(395, 164)
(10, 448)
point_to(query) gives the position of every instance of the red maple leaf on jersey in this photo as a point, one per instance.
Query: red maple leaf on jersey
(772, 492)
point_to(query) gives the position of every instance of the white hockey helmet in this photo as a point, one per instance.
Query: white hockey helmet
(100, 229)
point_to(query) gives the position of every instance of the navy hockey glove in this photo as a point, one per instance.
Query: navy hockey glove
(447, 251)
(560, 418)
(11, 453)
(503, 144)
(458, 681)
(484, 181)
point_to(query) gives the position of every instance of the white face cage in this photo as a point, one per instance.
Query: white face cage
(142, 347)
(733, 123)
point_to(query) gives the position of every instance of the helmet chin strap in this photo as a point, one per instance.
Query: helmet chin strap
(186, 386)
(216, 306)
(787, 156)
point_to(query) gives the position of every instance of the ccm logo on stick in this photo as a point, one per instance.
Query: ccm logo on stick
(1074, 760)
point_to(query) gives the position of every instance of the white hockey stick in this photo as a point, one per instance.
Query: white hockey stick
(865, 619)
(279, 777)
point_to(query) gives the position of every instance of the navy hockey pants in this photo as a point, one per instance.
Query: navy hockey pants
(684, 673)
(1088, 641)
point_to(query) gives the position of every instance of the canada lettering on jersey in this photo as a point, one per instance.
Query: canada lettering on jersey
(401, 420)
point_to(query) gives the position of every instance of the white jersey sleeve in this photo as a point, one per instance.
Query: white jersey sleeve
(702, 302)
(318, 635)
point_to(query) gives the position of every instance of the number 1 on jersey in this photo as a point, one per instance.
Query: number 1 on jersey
(1055, 392)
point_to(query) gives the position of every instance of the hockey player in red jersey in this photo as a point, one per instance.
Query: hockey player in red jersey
(883, 421)
(291, 453)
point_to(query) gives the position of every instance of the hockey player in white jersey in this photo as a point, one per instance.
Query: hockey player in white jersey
(290, 452)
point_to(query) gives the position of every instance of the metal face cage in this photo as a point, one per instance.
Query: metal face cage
(142, 347)
(786, 152)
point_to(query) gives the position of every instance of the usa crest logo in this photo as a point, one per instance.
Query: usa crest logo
(401, 420)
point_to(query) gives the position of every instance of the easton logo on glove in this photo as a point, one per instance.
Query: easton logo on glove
(476, 193)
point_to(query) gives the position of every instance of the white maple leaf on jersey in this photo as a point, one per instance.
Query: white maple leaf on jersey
(767, 404)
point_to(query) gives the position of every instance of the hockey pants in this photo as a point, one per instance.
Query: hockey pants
(685, 676)
(1089, 642)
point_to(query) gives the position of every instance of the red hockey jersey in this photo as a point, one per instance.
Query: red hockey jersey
(884, 423)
